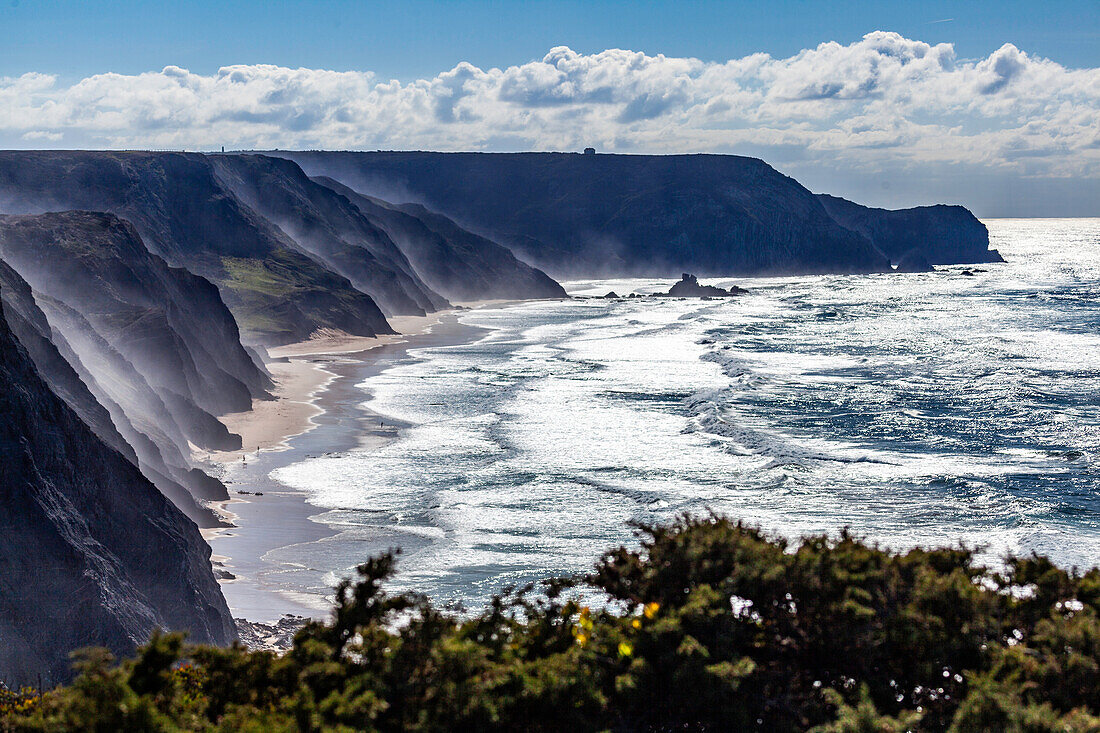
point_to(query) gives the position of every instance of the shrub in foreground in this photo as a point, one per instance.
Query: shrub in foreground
(709, 624)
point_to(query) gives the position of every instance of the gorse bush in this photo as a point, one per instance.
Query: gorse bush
(709, 624)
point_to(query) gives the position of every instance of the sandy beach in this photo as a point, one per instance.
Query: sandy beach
(301, 373)
(318, 408)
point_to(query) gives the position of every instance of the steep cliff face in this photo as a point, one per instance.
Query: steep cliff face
(453, 261)
(324, 223)
(171, 325)
(618, 214)
(61, 369)
(278, 292)
(136, 408)
(29, 325)
(942, 235)
(90, 552)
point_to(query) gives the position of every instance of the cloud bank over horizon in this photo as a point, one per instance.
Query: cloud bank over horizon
(880, 108)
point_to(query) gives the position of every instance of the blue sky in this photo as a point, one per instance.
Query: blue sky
(412, 39)
(990, 104)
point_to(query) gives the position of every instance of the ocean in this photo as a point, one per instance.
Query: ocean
(919, 409)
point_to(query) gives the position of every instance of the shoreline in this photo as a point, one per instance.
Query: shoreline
(300, 374)
(319, 409)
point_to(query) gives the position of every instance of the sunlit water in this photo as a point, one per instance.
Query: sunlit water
(915, 409)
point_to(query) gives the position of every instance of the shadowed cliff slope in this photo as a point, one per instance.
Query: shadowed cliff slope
(60, 367)
(942, 235)
(90, 552)
(618, 214)
(171, 325)
(453, 261)
(327, 225)
(278, 292)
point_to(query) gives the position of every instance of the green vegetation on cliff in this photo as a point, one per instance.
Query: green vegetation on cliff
(708, 625)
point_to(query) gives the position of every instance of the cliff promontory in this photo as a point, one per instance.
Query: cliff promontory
(939, 235)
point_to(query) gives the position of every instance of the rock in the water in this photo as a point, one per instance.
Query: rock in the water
(611, 294)
(689, 287)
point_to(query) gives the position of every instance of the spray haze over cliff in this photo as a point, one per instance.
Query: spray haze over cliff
(579, 215)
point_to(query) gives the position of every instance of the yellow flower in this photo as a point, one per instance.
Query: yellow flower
(625, 649)
(651, 609)
(586, 619)
(582, 639)
(636, 623)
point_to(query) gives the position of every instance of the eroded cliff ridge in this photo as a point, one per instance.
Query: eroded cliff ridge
(61, 368)
(172, 325)
(154, 344)
(327, 226)
(278, 291)
(456, 262)
(91, 553)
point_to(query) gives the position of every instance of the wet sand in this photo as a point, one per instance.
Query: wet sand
(300, 374)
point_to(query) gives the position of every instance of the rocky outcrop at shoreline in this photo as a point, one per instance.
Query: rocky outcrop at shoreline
(689, 287)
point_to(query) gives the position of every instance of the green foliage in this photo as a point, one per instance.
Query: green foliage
(708, 624)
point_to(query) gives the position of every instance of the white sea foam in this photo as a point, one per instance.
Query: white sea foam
(922, 409)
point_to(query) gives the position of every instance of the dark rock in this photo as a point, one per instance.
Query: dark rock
(945, 235)
(611, 294)
(276, 637)
(689, 287)
(91, 553)
(618, 214)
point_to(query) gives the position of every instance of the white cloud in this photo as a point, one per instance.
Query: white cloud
(882, 102)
